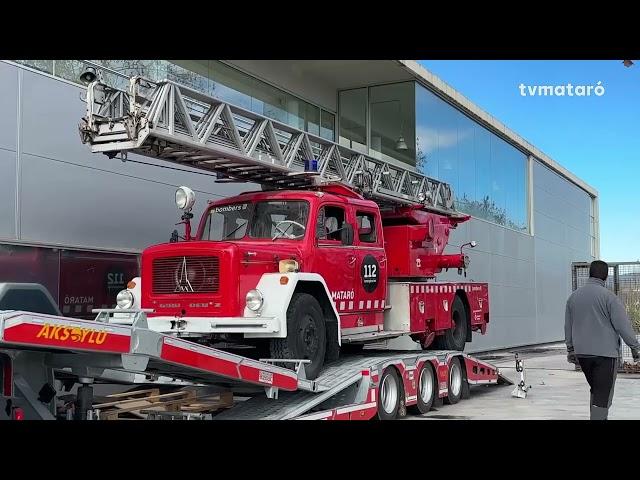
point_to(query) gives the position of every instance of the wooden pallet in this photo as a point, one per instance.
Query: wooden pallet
(128, 405)
(628, 367)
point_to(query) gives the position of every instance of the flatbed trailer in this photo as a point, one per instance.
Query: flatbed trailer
(34, 348)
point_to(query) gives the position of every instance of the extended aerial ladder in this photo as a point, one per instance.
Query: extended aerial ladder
(178, 124)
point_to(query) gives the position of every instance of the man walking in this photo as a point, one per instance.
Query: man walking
(595, 319)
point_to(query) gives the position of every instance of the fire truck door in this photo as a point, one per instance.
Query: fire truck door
(335, 261)
(371, 267)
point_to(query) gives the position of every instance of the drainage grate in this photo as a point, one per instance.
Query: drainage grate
(448, 417)
(493, 357)
(535, 350)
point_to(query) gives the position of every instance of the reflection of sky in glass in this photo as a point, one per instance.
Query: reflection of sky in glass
(487, 174)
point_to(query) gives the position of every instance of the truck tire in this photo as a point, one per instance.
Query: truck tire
(454, 385)
(426, 390)
(389, 394)
(455, 338)
(306, 334)
(332, 352)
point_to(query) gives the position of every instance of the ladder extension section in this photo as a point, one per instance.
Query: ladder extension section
(175, 123)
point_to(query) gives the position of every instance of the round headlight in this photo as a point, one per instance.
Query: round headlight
(185, 198)
(125, 299)
(254, 300)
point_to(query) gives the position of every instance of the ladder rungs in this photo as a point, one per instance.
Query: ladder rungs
(178, 124)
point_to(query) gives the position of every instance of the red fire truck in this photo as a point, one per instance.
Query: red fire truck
(338, 249)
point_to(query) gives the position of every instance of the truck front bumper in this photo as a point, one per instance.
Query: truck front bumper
(251, 327)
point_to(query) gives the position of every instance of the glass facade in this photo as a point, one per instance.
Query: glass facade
(211, 77)
(408, 123)
(379, 121)
(353, 119)
(488, 175)
(393, 122)
(401, 121)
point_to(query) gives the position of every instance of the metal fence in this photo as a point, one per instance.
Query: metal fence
(624, 281)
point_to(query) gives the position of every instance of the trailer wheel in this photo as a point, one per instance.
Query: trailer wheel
(389, 394)
(455, 338)
(426, 390)
(456, 378)
(306, 334)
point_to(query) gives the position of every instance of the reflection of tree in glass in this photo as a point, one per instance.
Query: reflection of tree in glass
(70, 69)
(151, 69)
(188, 78)
(421, 157)
(42, 65)
(155, 70)
(488, 210)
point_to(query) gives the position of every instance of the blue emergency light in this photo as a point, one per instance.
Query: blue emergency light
(310, 165)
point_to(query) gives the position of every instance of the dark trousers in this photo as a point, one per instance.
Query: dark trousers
(601, 373)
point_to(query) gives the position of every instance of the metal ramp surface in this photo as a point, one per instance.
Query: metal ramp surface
(92, 347)
(331, 384)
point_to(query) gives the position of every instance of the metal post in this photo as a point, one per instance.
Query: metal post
(84, 398)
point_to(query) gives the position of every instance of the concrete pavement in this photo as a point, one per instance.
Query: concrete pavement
(558, 392)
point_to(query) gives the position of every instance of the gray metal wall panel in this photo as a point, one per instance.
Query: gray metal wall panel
(561, 219)
(62, 181)
(73, 205)
(8, 189)
(8, 106)
(505, 260)
(549, 228)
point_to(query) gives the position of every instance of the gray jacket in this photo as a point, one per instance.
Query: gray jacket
(595, 319)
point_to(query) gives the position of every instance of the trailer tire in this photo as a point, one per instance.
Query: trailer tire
(454, 384)
(306, 334)
(426, 390)
(455, 338)
(389, 394)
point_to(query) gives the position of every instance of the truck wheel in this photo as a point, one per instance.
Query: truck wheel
(306, 334)
(454, 385)
(455, 338)
(332, 352)
(389, 394)
(426, 390)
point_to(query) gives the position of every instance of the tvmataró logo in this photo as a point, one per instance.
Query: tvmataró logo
(568, 90)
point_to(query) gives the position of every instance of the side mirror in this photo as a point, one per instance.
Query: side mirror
(347, 234)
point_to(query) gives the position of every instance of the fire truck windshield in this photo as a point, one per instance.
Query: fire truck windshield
(259, 220)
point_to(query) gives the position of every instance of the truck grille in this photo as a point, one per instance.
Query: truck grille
(187, 274)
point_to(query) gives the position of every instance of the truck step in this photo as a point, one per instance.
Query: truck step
(364, 337)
